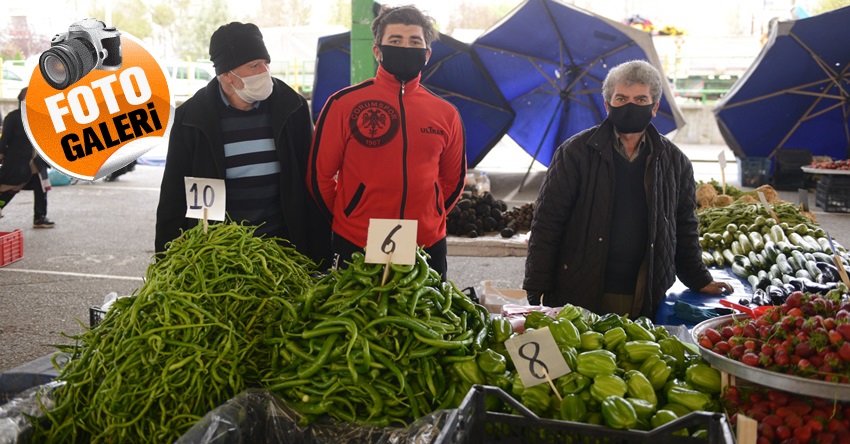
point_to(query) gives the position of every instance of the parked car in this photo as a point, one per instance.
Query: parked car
(184, 78)
(11, 84)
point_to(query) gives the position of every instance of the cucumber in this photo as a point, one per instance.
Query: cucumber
(824, 245)
(736, 247)
(774, 272)
(753, 280)
(795, 265)
(785, 247)
(754, 259)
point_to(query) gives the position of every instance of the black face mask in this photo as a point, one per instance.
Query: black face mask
(404, 63)
(630, 118)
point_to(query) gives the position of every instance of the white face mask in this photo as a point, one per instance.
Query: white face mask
(257, 87)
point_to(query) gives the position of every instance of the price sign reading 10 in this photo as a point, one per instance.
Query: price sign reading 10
(209, 194)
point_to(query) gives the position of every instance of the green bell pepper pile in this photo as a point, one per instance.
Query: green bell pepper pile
(624, 374)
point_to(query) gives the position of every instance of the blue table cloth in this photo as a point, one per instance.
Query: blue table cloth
(679, 292)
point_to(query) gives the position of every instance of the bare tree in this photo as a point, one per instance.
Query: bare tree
(130, 16)
(284, 13)
(194, 26)
(19, 40)
(475, 14)
(829, 5)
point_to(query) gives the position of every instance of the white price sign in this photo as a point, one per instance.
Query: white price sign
(391, 240)
(202, 193)
(537, 357)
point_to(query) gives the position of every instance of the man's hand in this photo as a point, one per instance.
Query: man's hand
(716, 287)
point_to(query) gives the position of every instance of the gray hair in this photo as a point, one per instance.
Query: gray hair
(629, 73)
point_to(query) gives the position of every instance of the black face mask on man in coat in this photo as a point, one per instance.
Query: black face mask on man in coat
(630, 118)
(404, 63)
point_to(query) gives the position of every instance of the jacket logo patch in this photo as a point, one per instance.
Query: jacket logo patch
(374, 123)
(432, 130)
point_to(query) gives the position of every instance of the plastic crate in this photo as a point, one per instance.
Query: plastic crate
(833, 193)
(754, 172)
(11, 247)
(474, 424)
(96, 315)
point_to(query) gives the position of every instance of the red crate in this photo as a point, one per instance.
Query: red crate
(11, 247)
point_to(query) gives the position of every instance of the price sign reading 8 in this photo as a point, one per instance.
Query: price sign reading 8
(391, 240)
(536, 355)
(209, 194)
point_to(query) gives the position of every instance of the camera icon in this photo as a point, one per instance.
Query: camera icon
(89, 44)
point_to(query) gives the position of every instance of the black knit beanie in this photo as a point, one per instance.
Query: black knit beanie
(235, 44)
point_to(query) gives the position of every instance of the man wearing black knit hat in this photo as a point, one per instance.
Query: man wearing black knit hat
(254, 132)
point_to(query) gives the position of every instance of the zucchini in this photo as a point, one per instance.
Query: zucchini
(777, 234)
(753, 280)
(813, 269)
(736, 247)
(777, 282)
(707, 258)
(795, 265)
(746, 245)
(754, 259)
(727, 238)
(729, 256)
(770, 251)
(802, 273)
(801, 260)
(785, 247)
(824, 245)
(822, 257)
(757, 241)
(718, 259)
(739, 270)
(774, 272)
(782, 263)
(743, 261)
(813, 242)
(798, 240)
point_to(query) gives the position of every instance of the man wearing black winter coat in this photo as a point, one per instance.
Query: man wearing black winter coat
(614, 222)
(253, 131)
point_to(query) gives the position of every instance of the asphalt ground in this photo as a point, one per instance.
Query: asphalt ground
(103, 243)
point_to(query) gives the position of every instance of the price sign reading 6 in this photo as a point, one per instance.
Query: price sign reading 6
(389, 244)
(537, 357)
(391, 240)
(530, 351)
(209, 194)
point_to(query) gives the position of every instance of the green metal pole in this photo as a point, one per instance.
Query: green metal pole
(363, 65)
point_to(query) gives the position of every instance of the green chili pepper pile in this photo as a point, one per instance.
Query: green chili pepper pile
(189, 339)
(379, 354)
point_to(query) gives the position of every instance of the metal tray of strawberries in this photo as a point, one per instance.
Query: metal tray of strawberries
(794, 384)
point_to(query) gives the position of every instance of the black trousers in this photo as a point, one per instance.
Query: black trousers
(343, 249)
(39, 196)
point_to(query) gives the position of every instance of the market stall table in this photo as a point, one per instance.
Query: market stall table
(679, 292)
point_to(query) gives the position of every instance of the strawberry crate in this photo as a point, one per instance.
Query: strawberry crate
(474, 424)
(833, 193)
(11, 247)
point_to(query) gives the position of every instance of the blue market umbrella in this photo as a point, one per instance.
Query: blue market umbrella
(797, 92)
(550, 59)
(454, 72)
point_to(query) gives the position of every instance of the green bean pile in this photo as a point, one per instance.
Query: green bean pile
(189, 339)
(377, 354)
(715, 219)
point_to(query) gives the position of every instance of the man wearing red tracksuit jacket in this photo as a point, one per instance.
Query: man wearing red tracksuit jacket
(389, 148)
